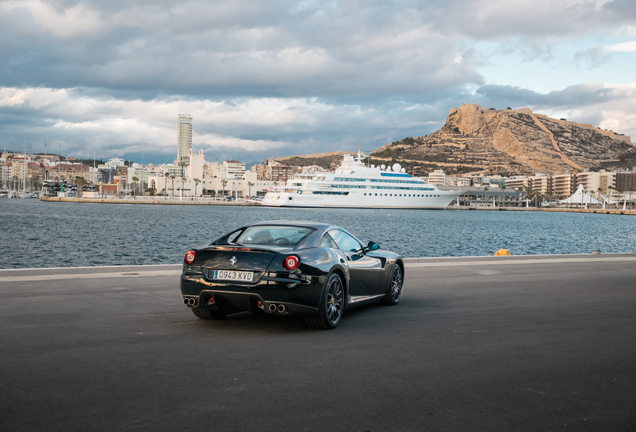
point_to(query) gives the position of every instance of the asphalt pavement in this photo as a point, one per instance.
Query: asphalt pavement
(539, 343)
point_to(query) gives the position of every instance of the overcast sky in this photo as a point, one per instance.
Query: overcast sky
(273, 78)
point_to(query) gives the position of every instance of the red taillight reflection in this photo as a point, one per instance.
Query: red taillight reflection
(189, 257)
(291, 262)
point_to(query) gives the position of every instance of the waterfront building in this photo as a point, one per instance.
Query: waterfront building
(562, 185)
(437, 178)
(462, 181)
(275, 172)
(626, 181)
(538, 183)
(112, 163)
(6, 173)
(233, 169)
(517, 182)
(596, 181)
(184, 139)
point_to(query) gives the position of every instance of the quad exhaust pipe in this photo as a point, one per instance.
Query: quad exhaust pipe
(190, 301)
(281, 308)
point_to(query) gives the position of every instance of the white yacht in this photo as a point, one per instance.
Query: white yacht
(355, 185)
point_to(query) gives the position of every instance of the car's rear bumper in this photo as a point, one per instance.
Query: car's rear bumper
(296, 299)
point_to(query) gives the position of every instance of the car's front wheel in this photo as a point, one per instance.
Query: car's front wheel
(394, 290)
(208, 314)
(331, 307)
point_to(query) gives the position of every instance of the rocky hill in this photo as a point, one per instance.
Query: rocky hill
(328, 161)
(510, 142)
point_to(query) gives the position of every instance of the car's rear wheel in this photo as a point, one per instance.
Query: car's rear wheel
(208, 314)
(394, 290)
(331, 307)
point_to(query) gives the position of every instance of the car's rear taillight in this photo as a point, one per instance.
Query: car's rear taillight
(291, 262)
(189, 257)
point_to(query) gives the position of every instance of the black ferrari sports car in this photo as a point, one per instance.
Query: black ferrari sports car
(289, 268)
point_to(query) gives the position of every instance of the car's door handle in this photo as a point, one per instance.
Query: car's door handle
(348, 258)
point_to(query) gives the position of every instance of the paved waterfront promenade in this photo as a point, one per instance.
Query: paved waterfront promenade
(537, 343)
(152, 200)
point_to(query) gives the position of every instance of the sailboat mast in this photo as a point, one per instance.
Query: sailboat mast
(25, 167)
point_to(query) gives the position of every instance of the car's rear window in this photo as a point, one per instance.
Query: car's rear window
(273, 235)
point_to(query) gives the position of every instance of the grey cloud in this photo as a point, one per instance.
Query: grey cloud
(373, 49)
(591, 58)
(569, 98)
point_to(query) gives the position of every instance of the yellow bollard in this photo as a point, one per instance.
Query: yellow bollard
(502, 252)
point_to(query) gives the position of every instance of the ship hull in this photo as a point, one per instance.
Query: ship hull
(437, 200)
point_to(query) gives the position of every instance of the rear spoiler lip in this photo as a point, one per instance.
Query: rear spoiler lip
(240, 248)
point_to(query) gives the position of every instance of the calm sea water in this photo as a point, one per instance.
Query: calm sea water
(43, 234)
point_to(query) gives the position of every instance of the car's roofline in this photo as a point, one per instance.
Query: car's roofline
(309, 224)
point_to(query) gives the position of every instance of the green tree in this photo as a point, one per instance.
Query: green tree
(224, 183)
(172, 177)
(486, 195)
(166, 175)
(183, 179)
(249, 185)
(196, 183)
(135, 180)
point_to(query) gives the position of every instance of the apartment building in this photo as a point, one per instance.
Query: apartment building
(517, 182)
(437, 178)
(562, 185)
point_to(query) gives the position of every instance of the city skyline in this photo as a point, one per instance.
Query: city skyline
(288, 78)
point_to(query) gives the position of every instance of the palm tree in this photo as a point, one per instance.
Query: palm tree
(80, 182)
(102, 172)
(503, 197)
(196, 182)
(468, 192)
(172, 177)
(529, 193)
(519, 190)
(249, 185)
(224, 183)
(166, 184)
(486, 195)
(183, 179)
(135, 180)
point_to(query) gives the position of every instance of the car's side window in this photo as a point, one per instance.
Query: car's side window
(233, 236)
(329, 240)
(345, 241)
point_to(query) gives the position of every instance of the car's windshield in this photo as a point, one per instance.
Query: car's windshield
(273, 235)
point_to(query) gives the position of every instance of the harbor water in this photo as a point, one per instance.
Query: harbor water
(37, 234)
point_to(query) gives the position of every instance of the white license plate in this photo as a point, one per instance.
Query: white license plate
(233, 275)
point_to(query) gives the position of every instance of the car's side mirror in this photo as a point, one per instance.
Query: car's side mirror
(370, 247)
(373, 246)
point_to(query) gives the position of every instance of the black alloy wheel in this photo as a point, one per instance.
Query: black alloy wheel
(332, 305)
(394, 290)
(208, 314)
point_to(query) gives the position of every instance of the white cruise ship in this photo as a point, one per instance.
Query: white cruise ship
(355, 185)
